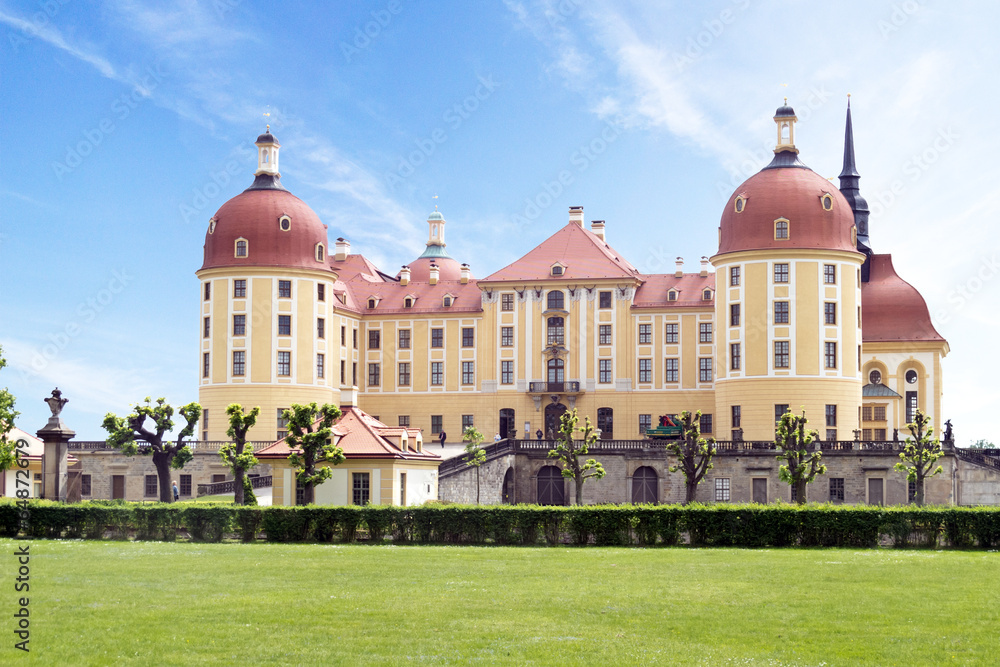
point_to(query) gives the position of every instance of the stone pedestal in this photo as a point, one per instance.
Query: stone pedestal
(55, 481)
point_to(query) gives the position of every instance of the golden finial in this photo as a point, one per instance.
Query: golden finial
(786, 101)
(435, 205)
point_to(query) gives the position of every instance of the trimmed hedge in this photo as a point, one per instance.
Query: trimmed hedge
(746, 525)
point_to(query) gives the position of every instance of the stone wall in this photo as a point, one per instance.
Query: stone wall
(460, 487)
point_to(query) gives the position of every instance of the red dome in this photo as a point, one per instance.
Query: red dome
(793, 193)
(255, 215)
(891, 308)
(448, 269)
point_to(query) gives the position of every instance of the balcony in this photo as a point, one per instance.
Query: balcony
(553, 387)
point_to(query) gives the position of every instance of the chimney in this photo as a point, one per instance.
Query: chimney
(404, 276)
(348, 397)
(435, 273)
(576, 215)
(343, 250)
(597, 226)
(704, 267)
(679, 273)
(465, 274)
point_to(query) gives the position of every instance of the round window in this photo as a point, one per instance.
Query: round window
(739, 204)
(911, 376)
(285, 223)
(875, 377)
(827, 203)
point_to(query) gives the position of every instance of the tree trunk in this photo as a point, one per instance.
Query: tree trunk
(918, 498)
(477, 485)
(691, 487)
(238, 473)
(579, 490)
(800, 492)
(161, 461)
(308, 495)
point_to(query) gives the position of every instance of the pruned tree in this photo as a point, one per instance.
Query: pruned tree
(794, 442)
(475, 455)
(237, 455)
(569, 451)
(8, 448)
(694, 453)
(921, 451)
(124, 431)
(310, 430)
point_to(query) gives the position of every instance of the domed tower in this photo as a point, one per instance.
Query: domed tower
(788, 304)
(435, 254)
(266, 303)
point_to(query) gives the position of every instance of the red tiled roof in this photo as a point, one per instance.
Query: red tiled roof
(428, 298)
(362, 437)
(653, 291)
(892, 309)
(581, 252)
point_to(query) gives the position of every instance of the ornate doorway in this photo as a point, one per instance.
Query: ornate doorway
(553, 413)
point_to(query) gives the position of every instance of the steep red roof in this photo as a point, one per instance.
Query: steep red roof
(427, 298)
(581, 252)
(892, 309)
(361, 437)
(654, 289)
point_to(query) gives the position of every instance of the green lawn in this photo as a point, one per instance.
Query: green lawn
(187, 604)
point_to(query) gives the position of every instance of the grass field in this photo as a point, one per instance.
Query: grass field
(188, 604)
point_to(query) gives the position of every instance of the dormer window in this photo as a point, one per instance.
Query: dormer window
(242, 248)
(706, 295)
(320, 252)
(372, 302)
(672, 295)
(827, 201)
(408, 302)
(557, 270)
(781, 229)
(284, 223)
(739, 204)
(211, 226)
(448, 300)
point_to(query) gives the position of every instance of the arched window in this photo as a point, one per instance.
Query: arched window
(554, 300)
(556, 331)
(781, 228)
(242, 249)
(556, 371)
(320, 252)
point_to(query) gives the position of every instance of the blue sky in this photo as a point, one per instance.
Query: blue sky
(126, 126)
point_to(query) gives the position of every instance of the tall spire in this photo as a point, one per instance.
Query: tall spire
(850, 188)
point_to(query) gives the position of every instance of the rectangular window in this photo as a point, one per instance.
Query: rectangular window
(866, 413)
(207, 329)
(604, 334)
(320, 327)
(830, 313)
(781, 273)
(645, 423)
(285, 289)
(831, 435)
(673, 370)
(781, 354)
(831, 415)
(781, 312)
(404, 339)
(734, 315)
(321, 292)
(151, 485)
(404, 421)
(645, 334)
(84, 485)
(343, 376)
(204, 424)
(506, 372)
(240, 289)
(343, 335)
(239, 362)
(437, 373)
(320, 365)
(468, 337)
(829, 274)
(706, 424)
(374, 375)
(437, 422)
(705, 332)
(354, 337)
(506, 336)
(779, 410)
(879, 413)
(374, 339)
(604, 374)
(705, 369)
(734, 356)
(645, 370)
(239, 325)
(734, 276)
(830, 354)
(284, 325)
(185, 489)
(911, 406)
(604, 299)
(208, 291)
(721, 489)
(468, 421)
(361, 488)
(404, 374)
(354, 374)
(284, 363)
(506, 302)
(736, 416)
(672, 333)
(879, 434)
(866, 434)
(468, 372)
(437, 337)
(836, 489)
(204, 365)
